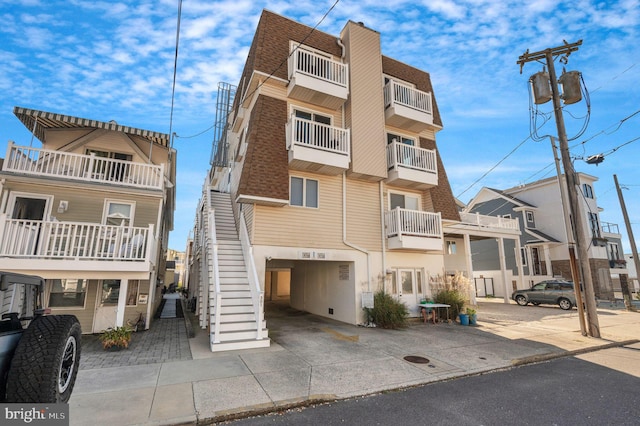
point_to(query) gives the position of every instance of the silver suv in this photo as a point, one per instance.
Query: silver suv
(550, 292)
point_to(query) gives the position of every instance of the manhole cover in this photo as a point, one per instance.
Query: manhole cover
(416, 359)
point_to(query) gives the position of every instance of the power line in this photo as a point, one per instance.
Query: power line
(273, 72)
(175, 71)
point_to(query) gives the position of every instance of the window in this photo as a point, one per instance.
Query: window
(118, 213)
(587, 190)
(67, 293)
(451, 247)
(111, 170)
(523, 256)
(409, 202)
(132, 292)
(392, 137)
(530, 217)
(614, 253)
(594, 225)
(303, 192)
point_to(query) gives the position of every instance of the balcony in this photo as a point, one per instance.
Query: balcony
(411, 167)
(317, 79)
(489, 222)
(88, 168)
(413, 230)
(52, 245)
(618, 264)
(406, 107)
(317, 147)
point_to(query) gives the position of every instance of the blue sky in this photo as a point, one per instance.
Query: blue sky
(113, 60)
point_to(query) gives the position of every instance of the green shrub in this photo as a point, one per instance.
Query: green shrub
(387, 312)
(451, 297)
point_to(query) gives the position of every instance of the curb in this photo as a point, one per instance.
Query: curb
(553, 355)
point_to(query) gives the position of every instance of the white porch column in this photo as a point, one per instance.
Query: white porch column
(468, 261)
(503, 270)
(519, 263)
(547, 260)
(122, 302)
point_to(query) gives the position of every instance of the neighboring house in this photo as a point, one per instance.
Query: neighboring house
(325, 186)
(634, 284)
(90, 211)
(542, 251)
(178, 267)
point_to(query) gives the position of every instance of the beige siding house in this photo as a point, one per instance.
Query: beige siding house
(328, 177)
(90, 211)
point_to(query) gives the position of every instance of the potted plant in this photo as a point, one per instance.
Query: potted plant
(472, 316)
(116, 337)
(464, 318)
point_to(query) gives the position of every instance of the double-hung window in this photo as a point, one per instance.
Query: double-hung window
(303, 192)
(67, 293)
(118, 213)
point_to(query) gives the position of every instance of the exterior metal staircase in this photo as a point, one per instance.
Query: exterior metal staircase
(234, 305)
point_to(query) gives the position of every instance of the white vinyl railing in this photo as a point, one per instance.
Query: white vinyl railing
(417, 223)
(403, 155)
(318, 135)
(257, 294)
(489, 221)
(397, 93)
(43, 162)
(318, 66)
(21, 238)
(217, 292)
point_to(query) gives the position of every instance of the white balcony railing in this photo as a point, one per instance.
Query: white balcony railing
(414, 223)
(318, 66)
(317, 135)
(90, 168)
(74, 240)
(401, 94)
(483, 221)
(403, 155)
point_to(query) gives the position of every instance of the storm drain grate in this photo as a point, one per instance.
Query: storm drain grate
(416, 359)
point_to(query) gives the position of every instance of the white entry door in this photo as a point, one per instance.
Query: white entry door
(409, 288)
(107, 306)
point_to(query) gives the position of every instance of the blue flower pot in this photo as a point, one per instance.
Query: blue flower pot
(464, 319)
(472, 319)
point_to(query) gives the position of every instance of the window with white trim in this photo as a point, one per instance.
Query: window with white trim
(67, 293)
(451, 247)
(303, 192)
(118, 213)
(587, 190)
(394, 137)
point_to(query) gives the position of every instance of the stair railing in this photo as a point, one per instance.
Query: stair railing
(257, 295)
(211, 221)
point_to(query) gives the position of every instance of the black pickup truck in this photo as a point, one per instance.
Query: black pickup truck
(39, 353)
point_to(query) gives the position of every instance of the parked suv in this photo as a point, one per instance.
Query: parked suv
(39, 354)
(549, 292)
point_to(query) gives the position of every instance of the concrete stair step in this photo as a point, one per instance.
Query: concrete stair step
(242, 344)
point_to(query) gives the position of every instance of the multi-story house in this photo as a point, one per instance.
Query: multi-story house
(542, 253)
(90, 211)
(326, 185)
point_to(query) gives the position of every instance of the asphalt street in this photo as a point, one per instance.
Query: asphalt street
(564, 391)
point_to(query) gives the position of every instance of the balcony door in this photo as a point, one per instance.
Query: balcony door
(310, 133)
(404, 201)
(30, 210)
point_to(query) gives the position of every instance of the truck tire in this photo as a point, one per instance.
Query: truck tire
(46, 361)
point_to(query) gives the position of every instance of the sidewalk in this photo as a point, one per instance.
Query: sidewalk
(316, 359)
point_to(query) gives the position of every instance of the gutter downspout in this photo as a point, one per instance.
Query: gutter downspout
(344, 230)
(384, 248)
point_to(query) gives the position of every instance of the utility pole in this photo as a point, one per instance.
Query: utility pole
(575, 273)
(578, 220)
(634, 251)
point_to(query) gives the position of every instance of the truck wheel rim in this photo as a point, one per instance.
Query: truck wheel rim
(67, 364)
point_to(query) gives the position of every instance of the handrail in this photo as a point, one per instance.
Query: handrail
(318, 66)
(412, 157)
(309, 133)
(216, 275)
(74, 240)
(90, 168)
(402, 94)
(489, 221)
(254, 283)
(413, 222)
